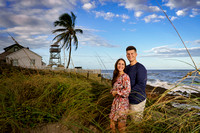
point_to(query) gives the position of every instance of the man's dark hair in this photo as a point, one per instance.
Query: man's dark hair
(131, 48)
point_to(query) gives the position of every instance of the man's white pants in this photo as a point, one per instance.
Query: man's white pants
(136, 111)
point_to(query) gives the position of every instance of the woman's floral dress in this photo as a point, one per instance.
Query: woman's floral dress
(120, 105)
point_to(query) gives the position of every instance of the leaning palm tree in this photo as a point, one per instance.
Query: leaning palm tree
(67, 32)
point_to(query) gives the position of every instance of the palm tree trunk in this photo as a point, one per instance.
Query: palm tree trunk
(70, 49)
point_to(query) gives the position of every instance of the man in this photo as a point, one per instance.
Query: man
(138, 77)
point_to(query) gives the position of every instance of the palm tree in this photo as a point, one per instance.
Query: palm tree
(68, 32)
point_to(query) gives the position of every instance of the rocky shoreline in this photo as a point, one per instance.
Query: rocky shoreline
(156, 91)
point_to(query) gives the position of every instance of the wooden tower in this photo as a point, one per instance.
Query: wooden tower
(55, 58)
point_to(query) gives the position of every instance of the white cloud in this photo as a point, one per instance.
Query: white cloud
(30, 22)
(184, 7)
(36, 15)
(22, 4)
(138, 14)
(153, 18)
(191, 43)
(166, 51)
(85, 1)
(110, 15)
(93, 40)
(154, 8)
(106, 16)
(138, 5)
(33, 37)
(124, 17)
(195, 12)
(24, 30)
(197, 42)
(182, 3)
(182, 12)
(89, 6)
(173, 18)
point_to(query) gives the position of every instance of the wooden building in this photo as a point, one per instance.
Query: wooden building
(18, 55)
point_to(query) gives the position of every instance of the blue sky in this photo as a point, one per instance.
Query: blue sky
(109, 26)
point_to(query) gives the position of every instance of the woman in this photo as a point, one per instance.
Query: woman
(120, 91)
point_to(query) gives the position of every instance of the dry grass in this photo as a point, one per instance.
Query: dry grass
(30, 99)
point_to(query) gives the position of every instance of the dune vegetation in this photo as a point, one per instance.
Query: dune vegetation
(32, 99)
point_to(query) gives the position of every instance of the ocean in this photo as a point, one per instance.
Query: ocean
(169, 79)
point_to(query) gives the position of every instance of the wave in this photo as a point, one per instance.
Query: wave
(183, 106)
(175, 87)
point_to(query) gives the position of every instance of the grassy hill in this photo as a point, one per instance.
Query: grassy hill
(34, 99)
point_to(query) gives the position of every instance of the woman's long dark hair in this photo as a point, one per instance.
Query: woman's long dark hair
(116, 71)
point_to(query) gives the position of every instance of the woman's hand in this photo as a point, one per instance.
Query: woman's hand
(114, 93)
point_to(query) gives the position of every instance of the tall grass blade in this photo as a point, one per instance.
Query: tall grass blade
(178, 34)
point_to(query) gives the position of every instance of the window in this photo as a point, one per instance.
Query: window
(15, 49)
(32, 62)
(15, 62)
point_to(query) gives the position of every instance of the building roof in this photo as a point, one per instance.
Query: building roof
(9, 47)
(3, 55)
(23, 49)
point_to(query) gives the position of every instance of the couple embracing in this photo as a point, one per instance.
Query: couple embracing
(128, 89)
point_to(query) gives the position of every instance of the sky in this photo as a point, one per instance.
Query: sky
(109, 26)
